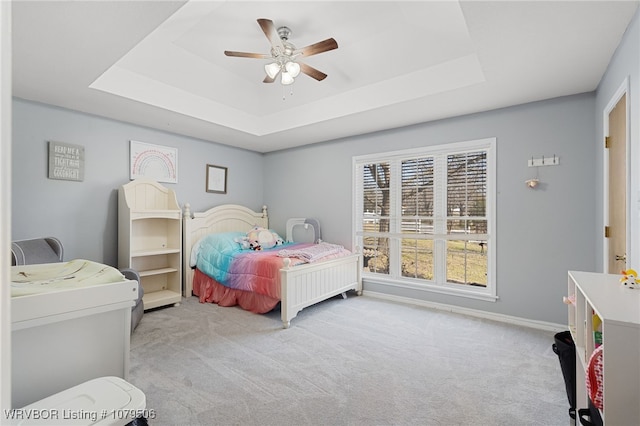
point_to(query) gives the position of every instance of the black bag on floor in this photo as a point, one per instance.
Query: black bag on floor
(565, 348)
(138, 421)
(590, 416)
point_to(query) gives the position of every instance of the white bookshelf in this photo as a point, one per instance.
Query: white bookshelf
(150, 240)
(619, 309)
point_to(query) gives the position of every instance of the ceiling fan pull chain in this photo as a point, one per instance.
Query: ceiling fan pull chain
(284, 95)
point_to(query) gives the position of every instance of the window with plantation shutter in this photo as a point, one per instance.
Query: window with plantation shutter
(424, 218)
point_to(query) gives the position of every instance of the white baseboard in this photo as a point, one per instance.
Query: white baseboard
(540, 325)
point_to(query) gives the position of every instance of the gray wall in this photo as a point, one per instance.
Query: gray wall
(547, 226)
(540, 233)
(84, 214)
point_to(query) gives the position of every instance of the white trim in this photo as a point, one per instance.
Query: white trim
(622, 90)
(450, 289)
(524, 322)
(445, 148)
(5, 212)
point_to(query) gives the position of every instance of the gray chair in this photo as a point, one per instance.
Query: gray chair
(36, 250)
(138, 310)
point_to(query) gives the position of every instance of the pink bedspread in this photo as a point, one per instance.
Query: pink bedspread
(210, 291)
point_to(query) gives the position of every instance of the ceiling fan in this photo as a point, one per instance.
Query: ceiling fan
(284, 54)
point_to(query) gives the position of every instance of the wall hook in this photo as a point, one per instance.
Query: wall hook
(544, 161)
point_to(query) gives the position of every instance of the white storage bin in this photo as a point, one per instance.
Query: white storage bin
(106, 401)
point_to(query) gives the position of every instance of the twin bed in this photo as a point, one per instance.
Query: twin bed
(259, 287)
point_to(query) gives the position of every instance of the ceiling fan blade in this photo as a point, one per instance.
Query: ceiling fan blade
(268, 79)
(312, 72)
(247, 55)
(272, 34)
(319, 47)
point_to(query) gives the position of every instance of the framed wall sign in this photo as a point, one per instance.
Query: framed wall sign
(154, 161)
(216, 179)
(66, 161)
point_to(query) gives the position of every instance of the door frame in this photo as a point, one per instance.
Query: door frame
(5, 211)
(622, 90)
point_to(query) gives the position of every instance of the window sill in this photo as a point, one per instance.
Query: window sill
(441, 289)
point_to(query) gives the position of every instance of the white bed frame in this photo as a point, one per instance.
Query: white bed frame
(301, 286)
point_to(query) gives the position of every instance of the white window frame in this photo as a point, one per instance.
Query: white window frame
(439, 284)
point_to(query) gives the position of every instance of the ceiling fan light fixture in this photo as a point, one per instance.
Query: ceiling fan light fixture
(283, 55)
(286, 78)
(292, 68)
(272, 69)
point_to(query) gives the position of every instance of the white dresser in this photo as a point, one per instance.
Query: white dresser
(62, 338)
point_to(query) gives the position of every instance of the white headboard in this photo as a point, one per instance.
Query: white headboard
(224, 218)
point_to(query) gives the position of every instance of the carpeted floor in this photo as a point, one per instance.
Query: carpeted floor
(359, 361)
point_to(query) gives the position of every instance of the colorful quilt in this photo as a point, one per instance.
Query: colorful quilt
(220, 257)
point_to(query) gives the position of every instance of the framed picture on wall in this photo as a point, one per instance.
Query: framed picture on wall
(154, 161)
(216, 179)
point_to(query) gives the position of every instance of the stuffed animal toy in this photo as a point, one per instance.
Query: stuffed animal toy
(244, 242)
(261, 238)
(629, 279)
